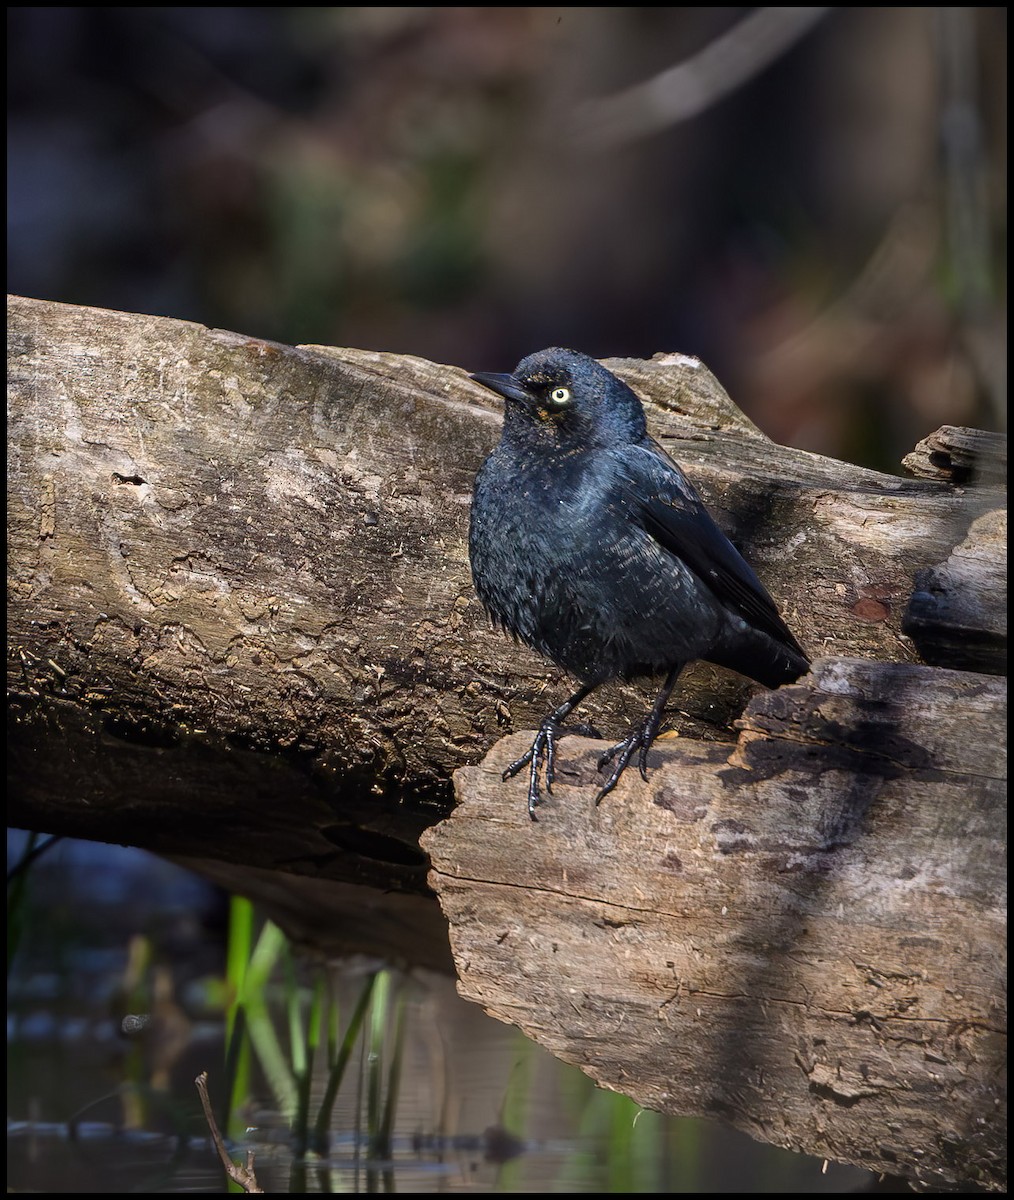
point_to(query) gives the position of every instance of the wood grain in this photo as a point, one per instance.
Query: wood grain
(802, 932)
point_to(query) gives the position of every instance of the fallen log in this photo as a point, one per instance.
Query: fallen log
(241, 630)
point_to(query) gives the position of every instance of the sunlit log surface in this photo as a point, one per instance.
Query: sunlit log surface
(802, 932)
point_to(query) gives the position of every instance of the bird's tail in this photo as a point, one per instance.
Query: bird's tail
(763, 659)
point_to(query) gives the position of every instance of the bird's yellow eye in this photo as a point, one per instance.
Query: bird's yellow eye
(560, 397)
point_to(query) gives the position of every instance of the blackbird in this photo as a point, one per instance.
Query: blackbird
(588, 543)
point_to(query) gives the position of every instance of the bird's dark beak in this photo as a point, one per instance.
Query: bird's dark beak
(504, 385)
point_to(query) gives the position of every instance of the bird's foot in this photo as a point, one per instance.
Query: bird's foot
(638, 742)
(543, 753)
(543, 750)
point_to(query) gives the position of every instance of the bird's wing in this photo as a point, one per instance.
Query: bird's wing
(675, 516)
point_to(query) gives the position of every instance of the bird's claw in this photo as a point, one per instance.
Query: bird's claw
(638, 741)
(543, 753)
(543, 750)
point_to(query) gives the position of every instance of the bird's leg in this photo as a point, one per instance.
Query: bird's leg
(640, 739)
(544, 749)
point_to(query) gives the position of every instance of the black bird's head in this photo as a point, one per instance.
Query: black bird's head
(569, 398)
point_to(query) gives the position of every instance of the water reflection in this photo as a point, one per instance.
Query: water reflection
(117, 1000)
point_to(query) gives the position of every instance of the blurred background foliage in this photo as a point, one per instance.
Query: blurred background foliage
(813, 201)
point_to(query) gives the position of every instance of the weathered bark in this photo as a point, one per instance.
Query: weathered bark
(962, 456)
(802, 932)
(241, 629)
(211, 536)
(957, 616)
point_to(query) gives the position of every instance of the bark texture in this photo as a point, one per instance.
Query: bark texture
(802, 932)
(212, 536)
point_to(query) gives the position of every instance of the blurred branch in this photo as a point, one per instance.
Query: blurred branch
(686, 90)
(970, 258)
(885, 289)
(964, 166)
